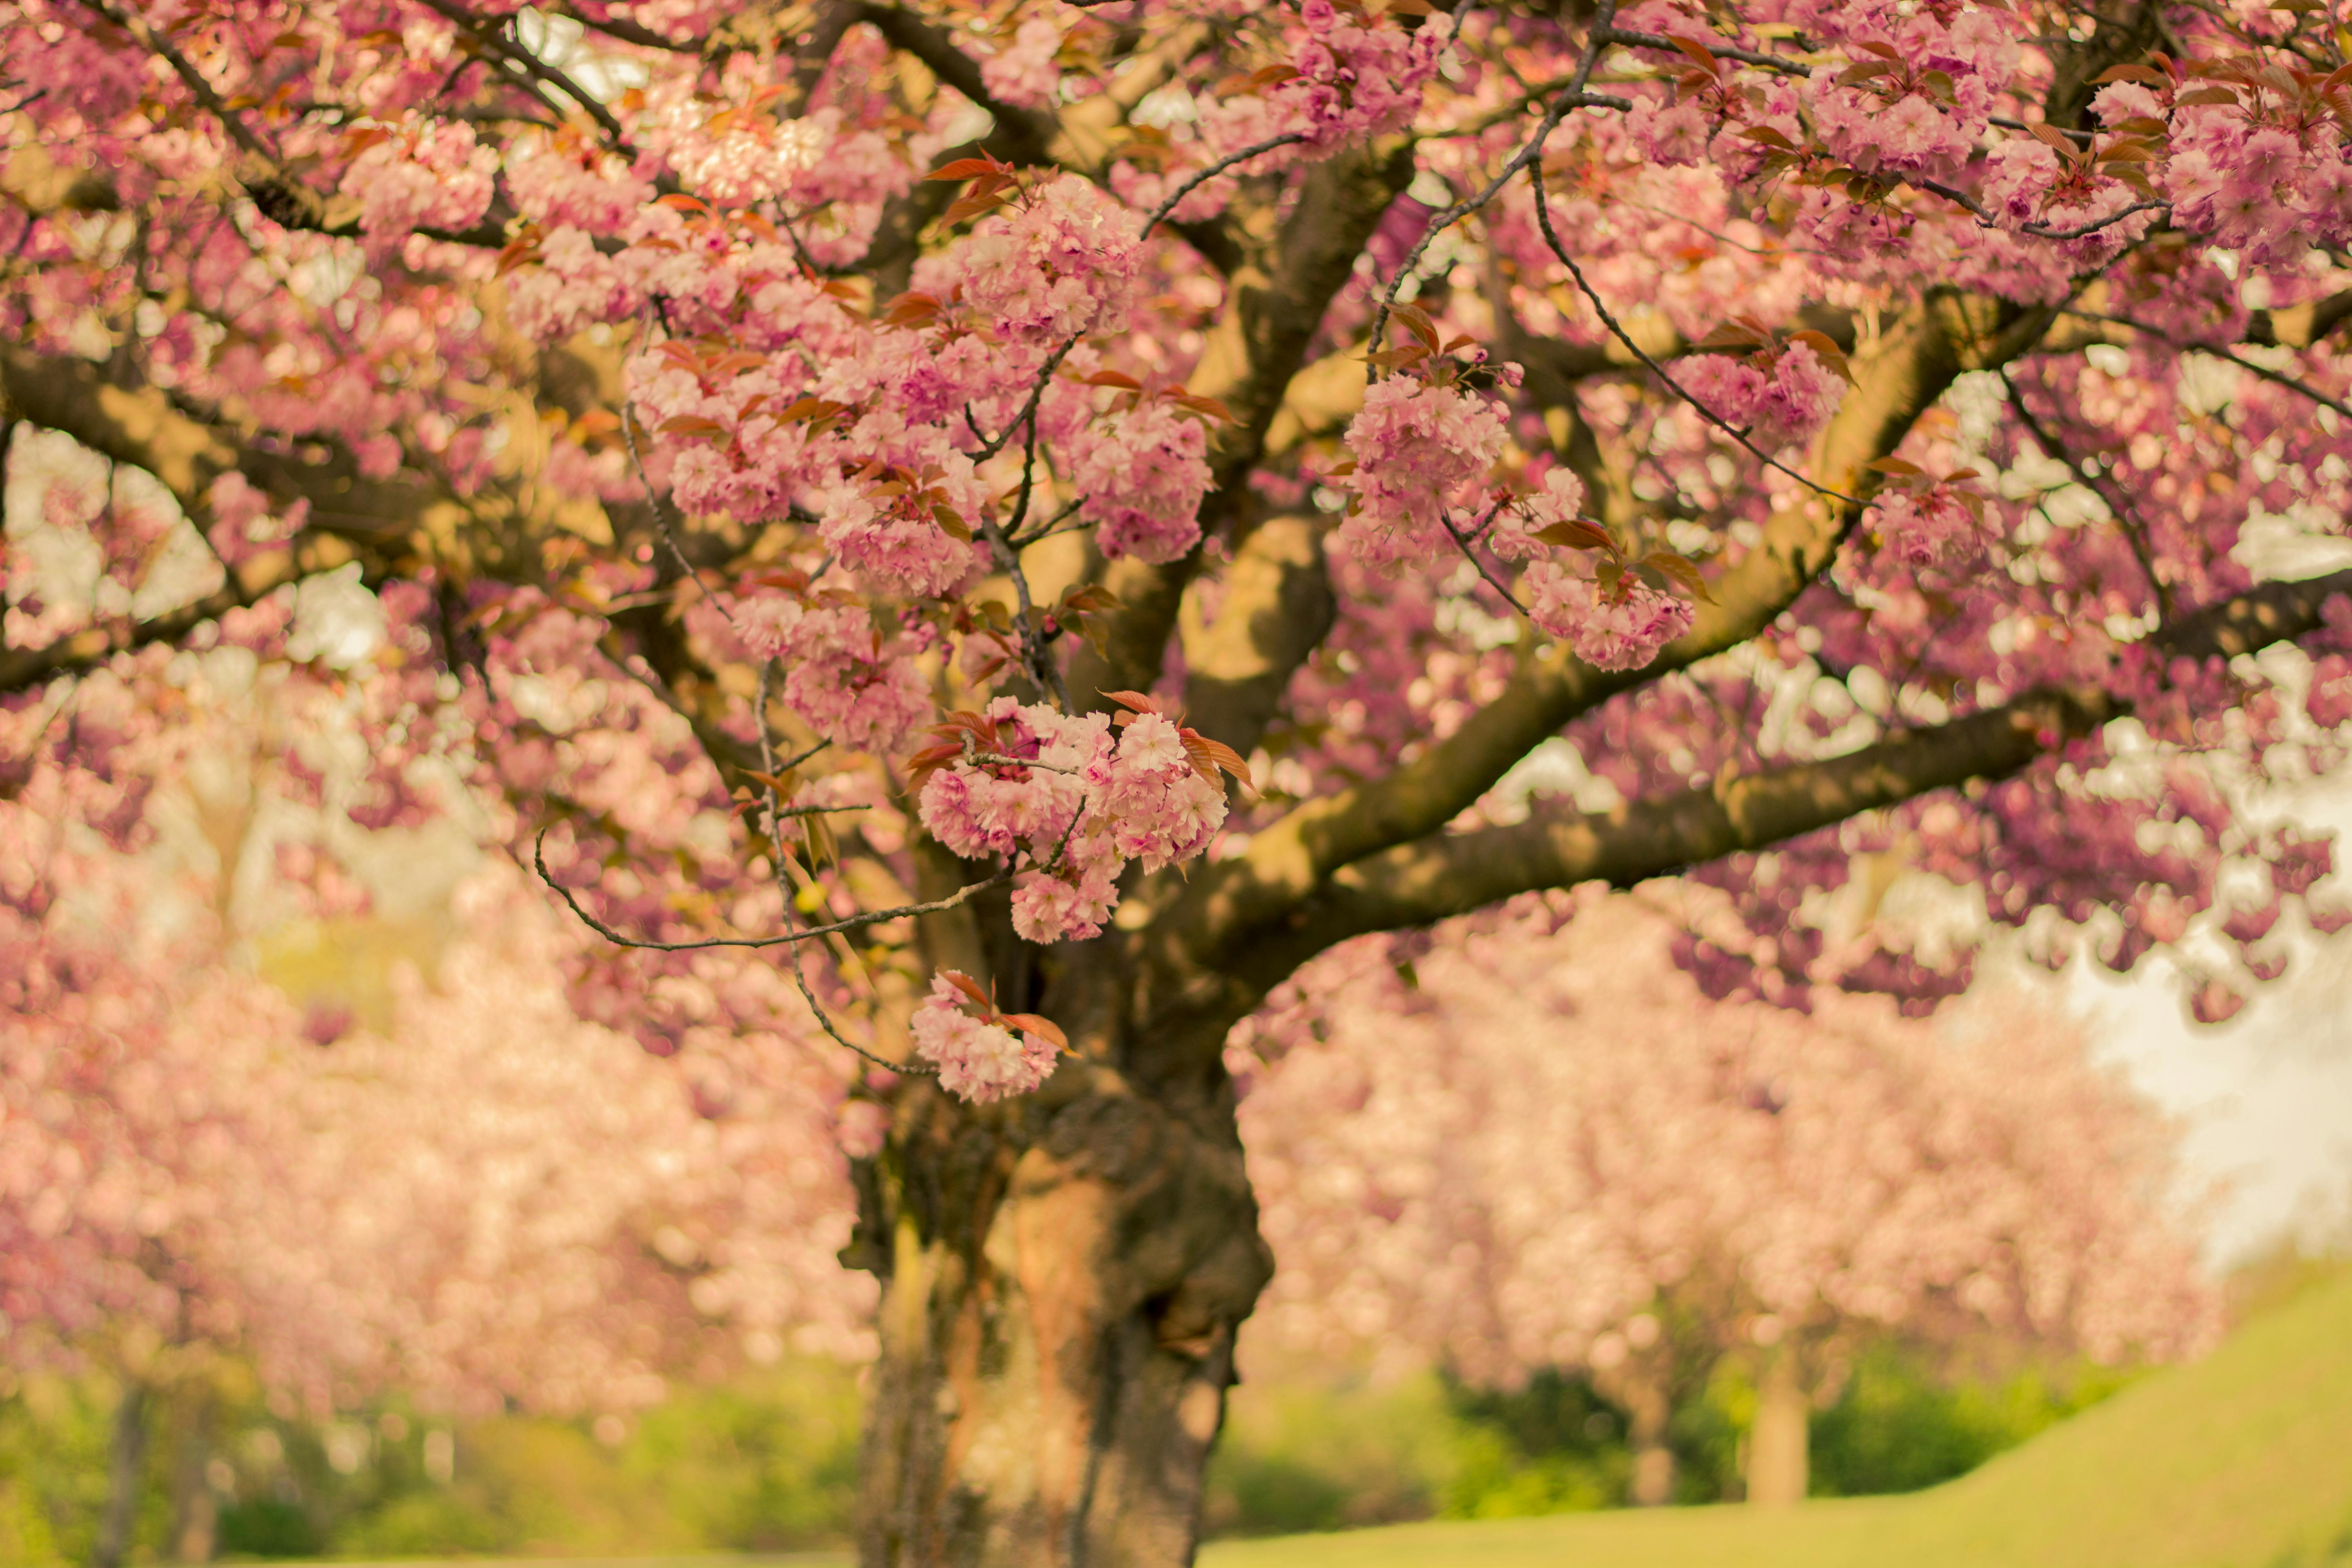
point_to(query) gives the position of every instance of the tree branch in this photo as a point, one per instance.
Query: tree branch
(142, 428)
(1257, 347)
(21, 668)
(1442, 876)
(1023, 135)
(1913, 362)
(1277, 608)
(487, 32)
(1413, 884)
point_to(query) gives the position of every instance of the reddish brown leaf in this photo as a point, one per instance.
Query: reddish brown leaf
(967, 984)
(1044, 1028)
(1826, 349)
(1577, 534)
(967, 169)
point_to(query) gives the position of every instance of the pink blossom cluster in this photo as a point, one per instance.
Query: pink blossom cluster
(1142, 472)
(1782, 402)
(1948, 74)
(1353, 82)
(2266, 182)
(1077, 804)
(1674, 135)
(1417, 445)
(1064, 261)
(1512, 535)
(828, 176)
(1619, 625)
(977, 1060)
(878, 487)
(1930, 528)
(565, 181)
(435, 176)
(1023, 73)
(574, 286)
(2025, 183)
(887, 527)
(855, 687)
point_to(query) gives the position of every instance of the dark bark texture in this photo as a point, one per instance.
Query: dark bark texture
(1061, 1281)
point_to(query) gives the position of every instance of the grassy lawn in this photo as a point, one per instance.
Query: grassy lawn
(2244, 1460)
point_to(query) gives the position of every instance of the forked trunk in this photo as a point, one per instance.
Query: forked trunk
(1062, 1281)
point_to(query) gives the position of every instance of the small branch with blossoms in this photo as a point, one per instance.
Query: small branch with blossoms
(773, 788)
(991, 184)
(1464, 540)
(979, 1053)
(1616, 329)
(854, 922)
(1530, 153)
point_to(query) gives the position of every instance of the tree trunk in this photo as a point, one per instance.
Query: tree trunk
(196, 1511)
(1778, 1465)
(125, 1465)
(1654, 1462)
(1062, 1280)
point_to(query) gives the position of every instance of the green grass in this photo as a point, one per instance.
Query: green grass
(2243, 1460)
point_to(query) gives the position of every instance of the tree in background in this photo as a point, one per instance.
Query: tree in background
(471, 1195)
(1549, 1149)
(951, 532)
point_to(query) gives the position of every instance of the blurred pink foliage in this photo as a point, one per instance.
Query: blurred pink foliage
(482, 1198)
(1547, 1133)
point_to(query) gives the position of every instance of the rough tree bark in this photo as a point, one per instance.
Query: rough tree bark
(1061, 1281)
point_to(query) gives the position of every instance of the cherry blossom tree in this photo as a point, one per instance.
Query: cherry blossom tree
(1549, 1149)
(985, 537)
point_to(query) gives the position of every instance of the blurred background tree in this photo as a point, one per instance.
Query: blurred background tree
(1537, 1145)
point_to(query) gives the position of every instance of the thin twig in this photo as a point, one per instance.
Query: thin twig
(482, 27)
(2280, 377)
(2128, 520)
(1050, 526)
(661, 515)
(1194, 182)
(1720, 51)
(2084, 137)
(1471, 556)
(2041, 231)
(854, 922)
(1617, 330)
(777, 856)
(797, 758)
(1573, 96)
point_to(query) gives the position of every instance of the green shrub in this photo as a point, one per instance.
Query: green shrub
(266, 1527)
(1554, 1445)
(1327, 1450)
(1899, 1427)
